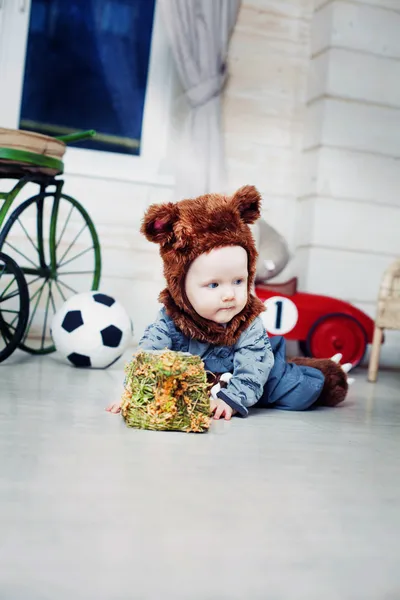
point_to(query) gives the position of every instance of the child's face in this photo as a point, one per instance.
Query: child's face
(216, 283)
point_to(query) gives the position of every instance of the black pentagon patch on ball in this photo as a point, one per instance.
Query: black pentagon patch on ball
(111, 336)
(79, 360)
(103, 299)
(72, 320)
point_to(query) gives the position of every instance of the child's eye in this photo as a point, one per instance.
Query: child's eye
(212, 286)
(238, 281)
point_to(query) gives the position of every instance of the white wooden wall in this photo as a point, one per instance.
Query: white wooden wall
(348, 228)
(264, 104)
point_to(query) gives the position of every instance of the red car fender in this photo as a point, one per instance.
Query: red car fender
(292, 313)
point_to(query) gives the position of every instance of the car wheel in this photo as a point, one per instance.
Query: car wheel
(337, 332)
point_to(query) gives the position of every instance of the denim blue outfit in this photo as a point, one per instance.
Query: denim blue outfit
(261, 375)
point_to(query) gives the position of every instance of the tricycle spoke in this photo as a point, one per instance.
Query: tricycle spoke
(28, 236)
(67, 286)
(73, 242)
(76, 272)
(12, 295)
(35, 309)
(65, 225)
(12, 322)
(52, 301)
(33, 281)
(2, 297)
(11, 325)
(21, 253)
(45, 317)
(37, 292)
(76, 256)
(60, 291)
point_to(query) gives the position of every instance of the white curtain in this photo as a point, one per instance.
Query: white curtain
(199, 33)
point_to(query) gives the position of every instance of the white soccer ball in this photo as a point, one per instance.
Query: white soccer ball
(91, 330)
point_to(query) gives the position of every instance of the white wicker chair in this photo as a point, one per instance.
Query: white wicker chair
(388, 314)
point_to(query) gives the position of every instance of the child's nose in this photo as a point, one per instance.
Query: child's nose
(228, 294)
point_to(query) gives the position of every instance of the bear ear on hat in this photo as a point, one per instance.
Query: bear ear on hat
(247, 200)
(158, 222)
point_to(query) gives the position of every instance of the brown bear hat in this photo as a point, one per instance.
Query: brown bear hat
(189, 228)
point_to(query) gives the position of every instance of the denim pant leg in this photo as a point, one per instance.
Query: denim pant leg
(290, 386)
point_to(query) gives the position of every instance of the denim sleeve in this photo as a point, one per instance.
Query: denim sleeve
(156, 335)
(253, 361)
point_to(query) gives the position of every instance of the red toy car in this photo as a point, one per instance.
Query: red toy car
(323, 326)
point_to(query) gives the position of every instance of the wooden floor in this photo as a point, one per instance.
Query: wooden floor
(278, 506)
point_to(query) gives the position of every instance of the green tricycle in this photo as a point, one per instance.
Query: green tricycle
(49, 248)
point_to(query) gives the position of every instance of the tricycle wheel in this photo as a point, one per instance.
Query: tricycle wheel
(337, 332)
(14, 305)
(56, 245)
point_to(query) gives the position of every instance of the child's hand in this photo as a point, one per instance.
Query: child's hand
(114, 408)
(222, 409)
